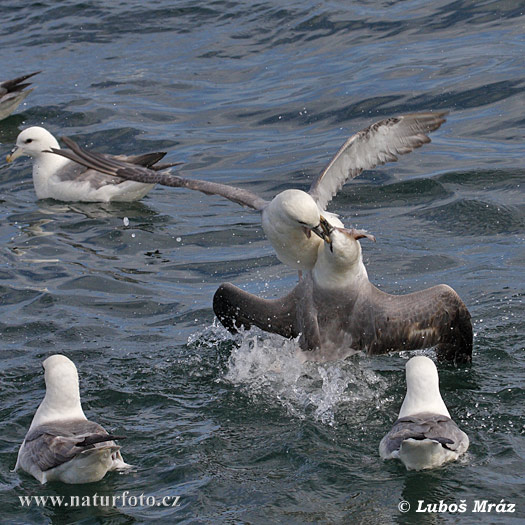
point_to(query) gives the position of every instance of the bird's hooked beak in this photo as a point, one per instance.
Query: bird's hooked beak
(360, 234)
(15, 153)
(323, 229)
(351, 232)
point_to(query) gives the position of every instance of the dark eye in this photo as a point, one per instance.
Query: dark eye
(28, 141)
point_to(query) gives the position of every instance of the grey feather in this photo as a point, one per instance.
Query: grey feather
(49, 446)
(375, 322)
(12, 93)
(379, 143)
(16, 84)
(236, 308)
(436, 427)
(78, 172)
(116, 167)
(74, 172)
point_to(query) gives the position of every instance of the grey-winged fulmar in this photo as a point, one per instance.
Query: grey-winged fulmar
(335, 309)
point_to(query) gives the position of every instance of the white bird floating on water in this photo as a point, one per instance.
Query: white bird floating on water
(61, 444)
(12, 93)
(424, 436)
(290, 217)
(59, 178)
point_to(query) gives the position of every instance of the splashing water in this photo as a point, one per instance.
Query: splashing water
(268, 367)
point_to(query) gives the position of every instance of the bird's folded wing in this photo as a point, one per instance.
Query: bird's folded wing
(148, 160)
(436, 427)
(73, 172)
(379, 143)
(145, 159)
(119, 168)
(16, 84)
(49, 446)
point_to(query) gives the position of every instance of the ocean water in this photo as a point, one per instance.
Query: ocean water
(261, 95)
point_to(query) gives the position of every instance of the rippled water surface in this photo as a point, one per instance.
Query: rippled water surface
(262, 95)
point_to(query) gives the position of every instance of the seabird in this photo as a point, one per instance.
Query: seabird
(59, 178)
(12, 94)
(61, 444)
(335, 309)
(290, 217)
(424, 436)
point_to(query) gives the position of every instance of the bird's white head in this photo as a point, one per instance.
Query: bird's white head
(62, 399)
(296, 207)
(342, 248)
(33, 142)
(340, 263)
(60, 375)
(423, 393)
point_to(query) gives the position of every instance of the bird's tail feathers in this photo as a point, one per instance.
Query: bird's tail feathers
(419, 454)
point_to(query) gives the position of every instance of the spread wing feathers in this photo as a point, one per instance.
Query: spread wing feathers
(435, 316)
(237, 309)
(379, 143)
(16, 84)
(436, 427)
(125, 170)
(78, 173)
(49, 446)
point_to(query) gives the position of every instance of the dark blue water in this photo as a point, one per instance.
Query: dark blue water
(262, 95)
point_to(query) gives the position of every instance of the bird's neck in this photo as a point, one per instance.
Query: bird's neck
(424, 396)
(56, 406)
(327, 274)
(44, 166)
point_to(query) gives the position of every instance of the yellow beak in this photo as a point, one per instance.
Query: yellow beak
(327, 229)
(15, 153)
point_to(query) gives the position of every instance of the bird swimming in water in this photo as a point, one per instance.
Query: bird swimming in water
(424, 436)
(59, 178)
(61, 444)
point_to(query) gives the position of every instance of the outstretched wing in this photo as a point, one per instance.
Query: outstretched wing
(49, 446)
(119, 168)
(237, 309)
(435, 316)
(379, 143)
